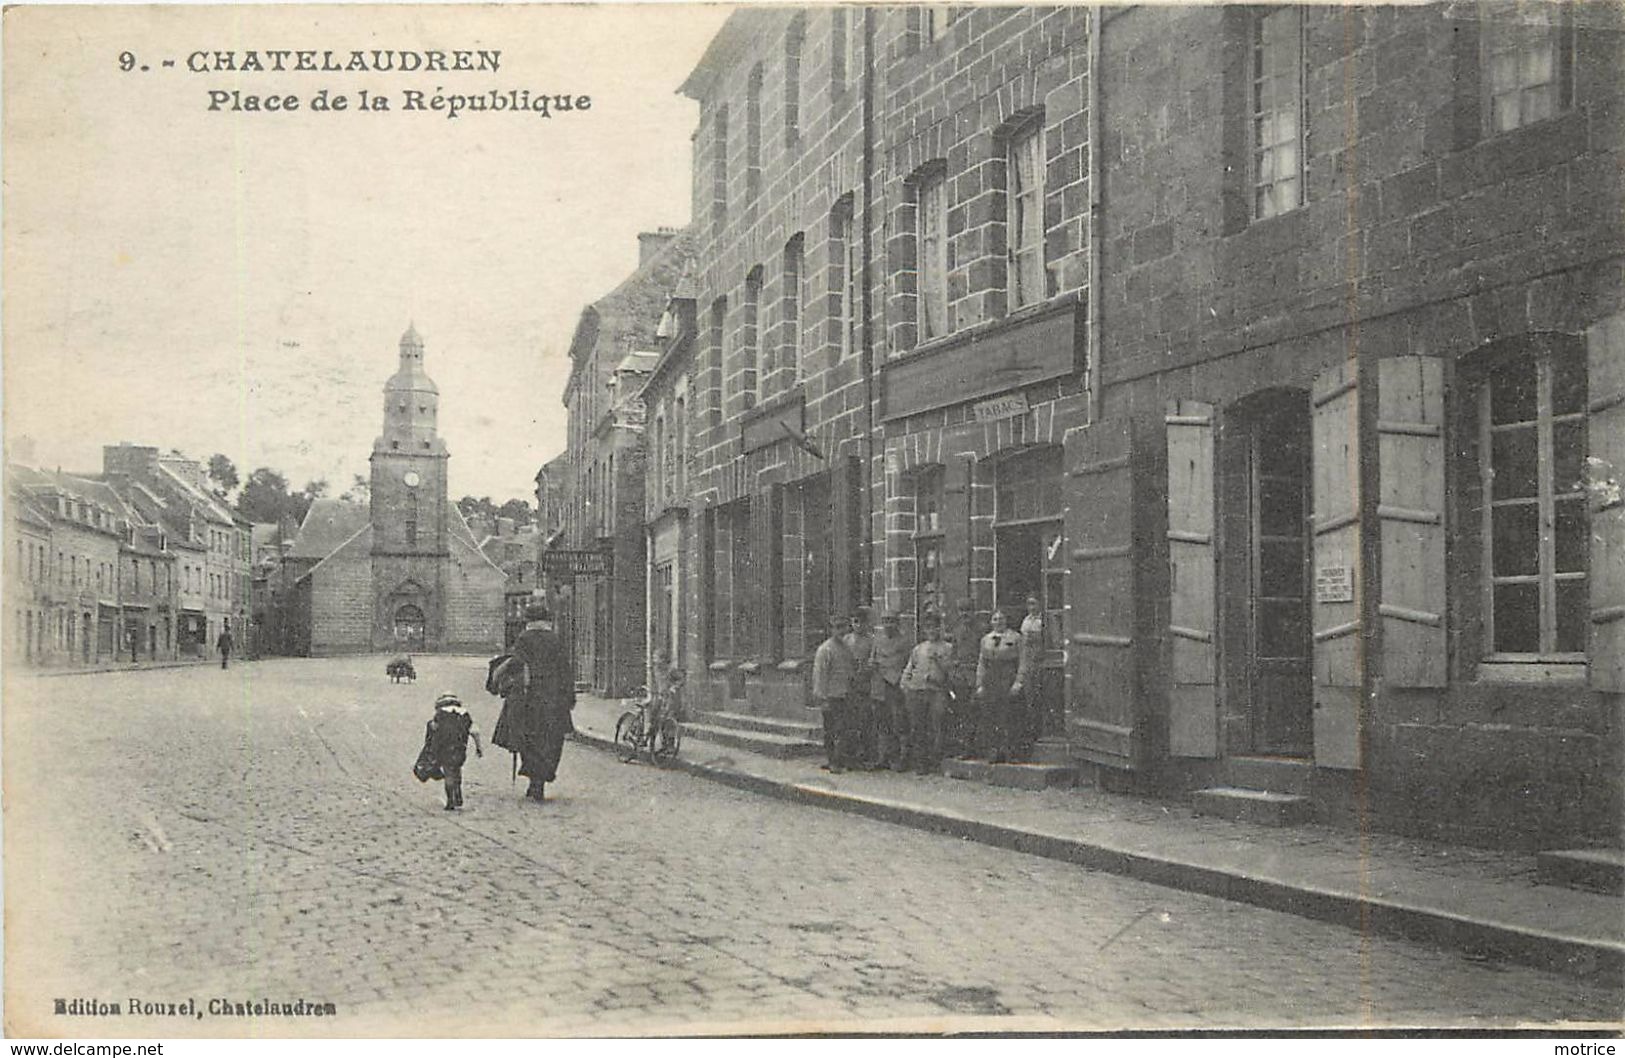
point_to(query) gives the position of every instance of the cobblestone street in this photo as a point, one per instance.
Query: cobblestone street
(256, 834)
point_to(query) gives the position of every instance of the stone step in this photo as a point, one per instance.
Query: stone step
(1018, 776)
(770, 725)
(1598, 869)
(768, 745)
(1286, 775)
(1253, 806)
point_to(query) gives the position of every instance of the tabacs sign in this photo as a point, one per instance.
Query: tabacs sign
(1001, 408)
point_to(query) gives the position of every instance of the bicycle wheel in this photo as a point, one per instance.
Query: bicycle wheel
(629, 734)
(668, 739)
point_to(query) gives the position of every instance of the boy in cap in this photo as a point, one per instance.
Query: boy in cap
(447, 740)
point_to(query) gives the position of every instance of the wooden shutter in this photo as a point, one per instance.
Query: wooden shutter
(955, 530)
(766, 586)
(847, 526)
(1410, 509)
(1193, 705)
(1337, 664)
(1102, 684)
(1605, 430)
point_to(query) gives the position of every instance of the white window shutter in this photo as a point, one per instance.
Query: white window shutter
(1338, 669)
(1410, 508)
(1605, 476)
(1103, 699)
(1193, 708)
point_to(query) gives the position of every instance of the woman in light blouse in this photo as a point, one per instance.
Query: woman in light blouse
(997, 672)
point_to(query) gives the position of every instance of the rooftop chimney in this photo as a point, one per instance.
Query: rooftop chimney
(650, 243)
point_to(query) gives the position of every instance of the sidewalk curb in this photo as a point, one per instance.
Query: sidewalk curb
(126, 667)
(1479, 937)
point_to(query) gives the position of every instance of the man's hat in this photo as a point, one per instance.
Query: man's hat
(537, 610)
(447, 699)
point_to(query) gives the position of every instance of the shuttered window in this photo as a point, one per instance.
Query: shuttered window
(1532, 445)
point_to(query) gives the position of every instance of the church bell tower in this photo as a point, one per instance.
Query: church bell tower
(408, 460)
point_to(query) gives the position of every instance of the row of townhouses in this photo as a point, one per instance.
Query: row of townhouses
(1279, 352)
(139, 562)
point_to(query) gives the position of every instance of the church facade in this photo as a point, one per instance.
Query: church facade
(403, 571)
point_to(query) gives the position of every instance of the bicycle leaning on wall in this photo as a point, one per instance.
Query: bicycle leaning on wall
(652, 727)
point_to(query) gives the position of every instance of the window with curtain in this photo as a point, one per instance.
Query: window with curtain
(1277, 112)
(1528, 63)
(1025, 214)
(931, 202)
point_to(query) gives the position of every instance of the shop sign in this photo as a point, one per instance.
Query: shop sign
(1334, 584)
(1001, 407)
(576, 563)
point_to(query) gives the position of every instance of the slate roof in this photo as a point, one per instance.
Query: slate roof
(328, 524)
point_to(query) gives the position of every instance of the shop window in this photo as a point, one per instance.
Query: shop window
(1277, 111)
(928, 544)
(1528, 65)
(1531, 430)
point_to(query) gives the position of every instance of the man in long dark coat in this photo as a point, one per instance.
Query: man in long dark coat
(536, 715)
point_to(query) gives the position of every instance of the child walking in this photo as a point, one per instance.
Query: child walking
(446, 740)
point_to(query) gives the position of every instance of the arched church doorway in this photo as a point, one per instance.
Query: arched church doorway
(409, 627)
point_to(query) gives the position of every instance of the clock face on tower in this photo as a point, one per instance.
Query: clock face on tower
(411, 478)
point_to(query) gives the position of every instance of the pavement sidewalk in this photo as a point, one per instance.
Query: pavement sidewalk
(1484, 902)
(119, 666)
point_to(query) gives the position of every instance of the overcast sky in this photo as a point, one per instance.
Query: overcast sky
(238, 282)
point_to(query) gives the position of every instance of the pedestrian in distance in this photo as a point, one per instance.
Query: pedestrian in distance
(997, 674)
(890, 652)
(445, 744)
(538, 689)
(926, 680)
(832, 683)
(224, 644)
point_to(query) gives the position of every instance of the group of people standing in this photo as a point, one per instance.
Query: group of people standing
(961, 692)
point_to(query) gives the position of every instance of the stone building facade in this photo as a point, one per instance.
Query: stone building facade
(404, 572)
(782, 385)
(1275, 350)
(595, 570)
(1360, 415)
(73, 551)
